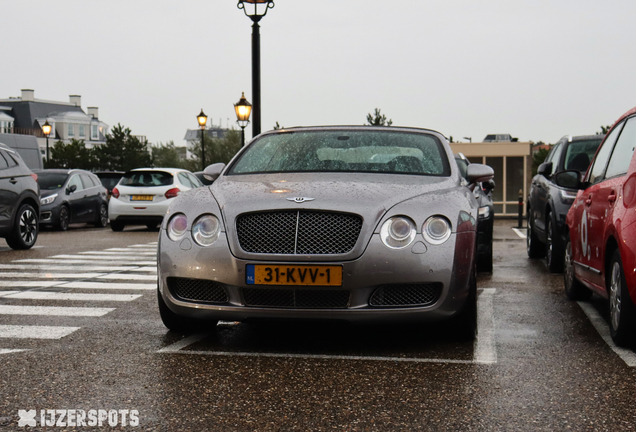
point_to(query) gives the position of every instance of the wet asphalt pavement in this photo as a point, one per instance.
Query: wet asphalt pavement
(539, 362)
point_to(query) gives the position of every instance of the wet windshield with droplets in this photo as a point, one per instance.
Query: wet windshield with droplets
(379, 151)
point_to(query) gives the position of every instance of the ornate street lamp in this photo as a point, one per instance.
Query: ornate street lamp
(243, 110)
(255, 10)
(203, 120)
(46, 129)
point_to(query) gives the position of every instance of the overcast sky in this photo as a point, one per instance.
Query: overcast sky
(536, 69)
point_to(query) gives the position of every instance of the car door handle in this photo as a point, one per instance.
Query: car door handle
(612, 197)
(13, 181)
(588, 201)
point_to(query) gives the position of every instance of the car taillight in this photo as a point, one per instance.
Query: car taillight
(35, 176)
(115, 193)
(172, 193)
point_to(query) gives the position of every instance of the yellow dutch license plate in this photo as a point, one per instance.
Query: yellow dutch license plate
(141, 198)
(312, 275)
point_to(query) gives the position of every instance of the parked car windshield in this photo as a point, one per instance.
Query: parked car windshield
(147, 178)
(579, 154)
(345, 151)
(51, 181)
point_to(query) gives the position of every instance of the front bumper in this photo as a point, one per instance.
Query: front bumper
(449, 264)
(50, 214)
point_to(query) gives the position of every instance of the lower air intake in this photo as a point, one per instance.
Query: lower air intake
(406, 295)
(197, 290)
(296, 298)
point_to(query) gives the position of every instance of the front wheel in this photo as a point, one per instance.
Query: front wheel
(553, 254)
(116, 226)
(533, 247)
(102, 216)
(65, 219)
(466, 320)
(620, 304)
(574, 289)
(25, 229)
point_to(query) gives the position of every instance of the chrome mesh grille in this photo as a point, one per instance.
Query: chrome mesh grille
(200, 290)
(406, 294)
(298, 232)
(296, 298)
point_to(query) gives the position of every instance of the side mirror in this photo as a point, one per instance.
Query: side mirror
(476, 173)
(72, 188)
(545, 169)
(212, 172)
(570, 179)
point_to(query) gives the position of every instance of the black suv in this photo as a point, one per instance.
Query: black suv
(548, 204)
(19, 200)
(483, 195)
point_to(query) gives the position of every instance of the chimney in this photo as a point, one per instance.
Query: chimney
(28, 95)
(76, 100)
(92, 111)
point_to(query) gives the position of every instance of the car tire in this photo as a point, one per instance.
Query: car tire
(484, 261)
(621, 307)
(152, 225)
(64, 219)
(574, 289)
(466, 320)
(553, 252)
(25, 229)
(179, 324)
(533, 246)
(117, 226)
(102, 216)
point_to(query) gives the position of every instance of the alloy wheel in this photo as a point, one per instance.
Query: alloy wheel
(103, 215)
(615, 295)
(28, 226)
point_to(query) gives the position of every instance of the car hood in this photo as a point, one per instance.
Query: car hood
(368, 195)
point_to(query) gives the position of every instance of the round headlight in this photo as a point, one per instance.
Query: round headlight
(205, 230)
(436, 229)
(398, 232)
(177, 226)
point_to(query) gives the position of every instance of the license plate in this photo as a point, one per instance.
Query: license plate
(141, 197)
(313, 275)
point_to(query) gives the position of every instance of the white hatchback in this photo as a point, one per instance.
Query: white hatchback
(143, 195)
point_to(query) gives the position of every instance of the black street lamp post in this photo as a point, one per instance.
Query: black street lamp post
(243, 110)
(203, 120)
(46, 129)
(257, 10)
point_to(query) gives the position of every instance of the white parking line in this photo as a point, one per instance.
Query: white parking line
(9, 351)
(109, 286)
(520, 233)
(45, 295)
(149, 249)
(104, 257)
(44, 275)
(6, 293)
(83, 261)
(130, 251)
(54, 268)
(485, 348)
(54, 311)
(35, 332)
(602, 328)
(128, 277)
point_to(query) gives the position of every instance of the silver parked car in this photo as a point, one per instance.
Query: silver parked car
(350, 223)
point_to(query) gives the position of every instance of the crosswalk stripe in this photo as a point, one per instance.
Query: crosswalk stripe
(29, 284)
(9, 351)
(43, 275)
(144, 245)
(81, 261)
(45, 295)
(103, 257)
(54, 311)
(109, 253)
(131, 250)
(54, 268)
(109, 286)
(35, 332)
(128, 276)
(6, 293)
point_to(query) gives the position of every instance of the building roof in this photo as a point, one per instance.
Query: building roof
(26, 112)
(195, 134)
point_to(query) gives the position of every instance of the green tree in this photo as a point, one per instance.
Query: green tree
(166, 156)
(378, 119)
(537, 159)
(604, 130)
(277, 126)
(216, 150)
(122, 151)
(72, 155)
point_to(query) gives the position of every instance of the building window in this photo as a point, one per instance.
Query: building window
(71, 130)
(94, 132)
(82, 131)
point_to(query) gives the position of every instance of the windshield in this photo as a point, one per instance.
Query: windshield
(147, 178)
(579, 154)
(345, 151)
(109, 182)
(51, 181)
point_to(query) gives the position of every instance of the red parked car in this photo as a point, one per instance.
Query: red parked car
(600, 255)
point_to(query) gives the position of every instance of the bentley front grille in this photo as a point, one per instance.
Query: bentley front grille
(406, 295)
(298, 232)
(296, 298)
(197, 290)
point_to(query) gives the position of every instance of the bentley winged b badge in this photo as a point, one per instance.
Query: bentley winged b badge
(300, 200)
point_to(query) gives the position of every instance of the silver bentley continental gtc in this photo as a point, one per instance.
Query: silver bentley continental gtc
(344, 223)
